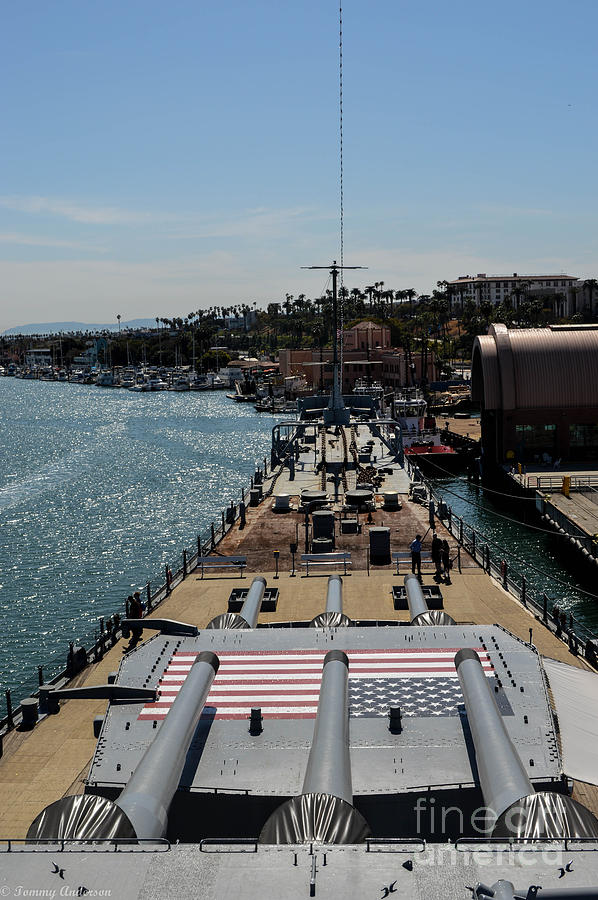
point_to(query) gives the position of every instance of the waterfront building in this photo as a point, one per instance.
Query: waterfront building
(38, 358)
(366, 336)
(538, 393)
(494, 289)
(395, 368)
(89, 357)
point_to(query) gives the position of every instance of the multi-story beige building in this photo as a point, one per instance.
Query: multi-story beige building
(513, 288)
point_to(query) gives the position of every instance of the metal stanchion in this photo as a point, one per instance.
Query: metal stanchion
(9, 718)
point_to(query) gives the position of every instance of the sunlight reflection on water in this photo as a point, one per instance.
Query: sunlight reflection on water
(99, 489)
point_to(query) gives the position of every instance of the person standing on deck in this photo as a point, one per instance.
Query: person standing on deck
(446, 561)
(416, 555)
(437, 554)
(135, 612)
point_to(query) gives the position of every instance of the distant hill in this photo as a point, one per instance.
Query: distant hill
(57, 327)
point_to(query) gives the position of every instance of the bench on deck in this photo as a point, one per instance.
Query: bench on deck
(221, 562)
(326, 559)
(402, 556)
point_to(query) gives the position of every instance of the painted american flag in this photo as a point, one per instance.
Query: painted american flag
(286, 684)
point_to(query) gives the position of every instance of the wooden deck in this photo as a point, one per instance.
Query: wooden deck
(41, 766)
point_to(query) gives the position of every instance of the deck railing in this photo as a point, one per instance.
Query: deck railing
(504, 568)
(555, 482)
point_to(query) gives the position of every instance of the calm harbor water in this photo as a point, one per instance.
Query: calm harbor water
(531, 552)
(99, 489)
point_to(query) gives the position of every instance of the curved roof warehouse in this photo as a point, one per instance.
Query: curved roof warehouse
(538, 392)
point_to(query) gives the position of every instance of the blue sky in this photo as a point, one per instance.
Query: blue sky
(160, 157)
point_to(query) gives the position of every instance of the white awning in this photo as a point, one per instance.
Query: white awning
(575, 693)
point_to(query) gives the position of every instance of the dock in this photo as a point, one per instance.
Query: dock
(567, 501)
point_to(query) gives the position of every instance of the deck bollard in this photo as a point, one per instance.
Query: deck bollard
(9, 717)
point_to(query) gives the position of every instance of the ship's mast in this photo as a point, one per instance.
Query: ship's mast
(336, 412)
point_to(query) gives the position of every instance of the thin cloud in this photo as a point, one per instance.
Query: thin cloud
(259, 222)
(506, 210)
(30, 240)
(88, 215)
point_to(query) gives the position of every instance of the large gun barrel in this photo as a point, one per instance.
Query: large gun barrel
(513, 807)
(418, 606)
(329, 765)
(324, 810)
(334, 594)
(502, 777)
(148, 794)
(334, 616)
(250, 610)
(141, 811)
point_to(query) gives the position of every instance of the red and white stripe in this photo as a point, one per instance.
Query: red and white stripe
(287, 685)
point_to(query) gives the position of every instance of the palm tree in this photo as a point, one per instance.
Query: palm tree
(369, 289)
(591, 284)
(520, 292)
(410, 294)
